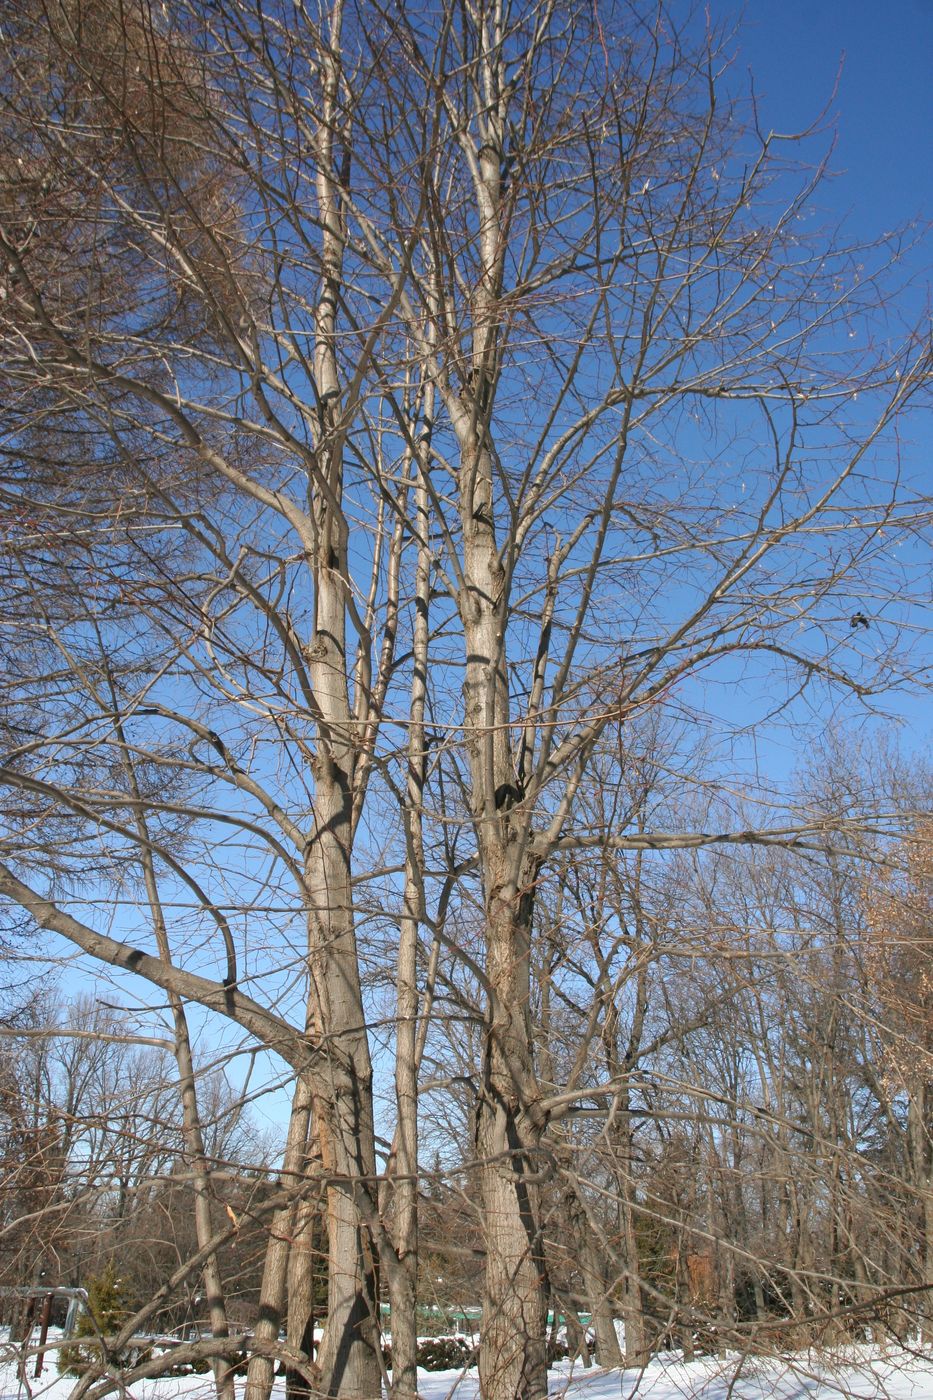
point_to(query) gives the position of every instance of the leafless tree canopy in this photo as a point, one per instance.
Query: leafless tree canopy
(438, 445)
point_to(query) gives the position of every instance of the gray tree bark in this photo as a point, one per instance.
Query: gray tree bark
(273, 1288)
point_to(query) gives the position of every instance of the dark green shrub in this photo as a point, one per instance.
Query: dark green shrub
(105, 1314)
(445, 1353)
(438, 1354)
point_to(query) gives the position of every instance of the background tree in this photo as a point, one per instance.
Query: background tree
(899, 955)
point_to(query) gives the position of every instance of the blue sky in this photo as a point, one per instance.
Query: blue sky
(883, 108)
(868, 64)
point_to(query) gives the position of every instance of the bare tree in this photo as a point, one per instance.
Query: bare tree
(900, 961)
(450, 391)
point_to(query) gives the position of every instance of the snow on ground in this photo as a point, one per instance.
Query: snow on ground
(868, 1376)
(863, 1374)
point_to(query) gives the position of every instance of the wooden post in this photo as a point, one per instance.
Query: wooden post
(43, 1332)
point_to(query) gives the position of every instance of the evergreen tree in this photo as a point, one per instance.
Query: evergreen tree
(104, 1315)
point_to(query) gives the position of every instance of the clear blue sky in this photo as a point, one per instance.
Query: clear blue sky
(884, 103)
(878, 56)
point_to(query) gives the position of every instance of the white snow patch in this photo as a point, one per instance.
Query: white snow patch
(862, 1373)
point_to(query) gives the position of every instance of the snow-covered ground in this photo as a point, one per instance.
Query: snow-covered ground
(863, 1374)
(868, 1376)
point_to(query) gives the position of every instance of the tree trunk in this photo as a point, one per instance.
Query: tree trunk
(204, 1228)
(726, 1280)
(184, 1060)
(636, 1342)
(403, 1276)
(513, 1351)
(348, 1358)
(513, 1347)
(926, 1307)
(272, 1291)
(920, 1147)
(593, 1268)
(300, 1290)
